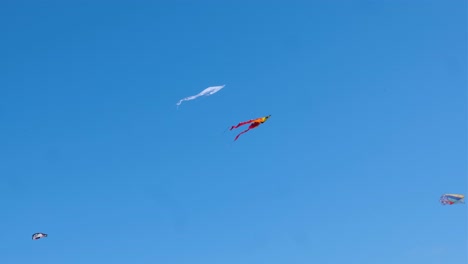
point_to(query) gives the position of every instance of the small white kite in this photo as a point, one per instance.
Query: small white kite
(37, 236)
(208, 91)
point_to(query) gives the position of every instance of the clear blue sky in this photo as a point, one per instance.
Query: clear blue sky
(369, 127)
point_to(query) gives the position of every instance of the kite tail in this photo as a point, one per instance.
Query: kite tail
(241, 124)
(245, 131)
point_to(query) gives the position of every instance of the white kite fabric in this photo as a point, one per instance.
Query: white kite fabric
(208, 91)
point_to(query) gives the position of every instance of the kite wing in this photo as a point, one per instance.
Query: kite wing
(208, 91)
(449, 199)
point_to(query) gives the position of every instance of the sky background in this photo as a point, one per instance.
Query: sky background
(368, 129)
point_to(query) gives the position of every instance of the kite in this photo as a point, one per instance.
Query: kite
(449, 199)
(208, 91)
(254, 123)
(37, 236)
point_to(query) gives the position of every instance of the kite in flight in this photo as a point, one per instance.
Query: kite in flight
(254, 123)
(37, 236)
(452, 199)
(208, 91)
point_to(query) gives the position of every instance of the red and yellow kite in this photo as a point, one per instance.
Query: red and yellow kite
(254, 123)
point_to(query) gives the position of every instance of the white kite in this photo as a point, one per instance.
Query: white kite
(208, 91)
(37, 236)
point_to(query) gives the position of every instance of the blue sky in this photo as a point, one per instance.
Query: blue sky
(368, 128)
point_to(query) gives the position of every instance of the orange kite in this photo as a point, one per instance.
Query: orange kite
(254, 123)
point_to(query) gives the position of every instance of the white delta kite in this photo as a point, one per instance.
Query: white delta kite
(208, 91)
(37, 236)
